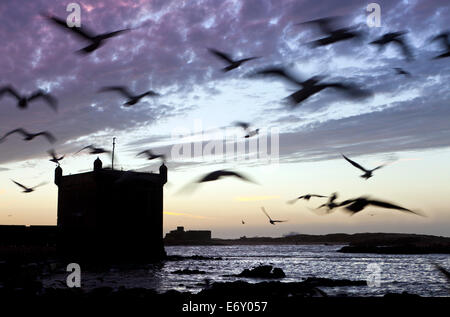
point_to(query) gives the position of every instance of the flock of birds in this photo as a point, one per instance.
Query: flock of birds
(306, 89)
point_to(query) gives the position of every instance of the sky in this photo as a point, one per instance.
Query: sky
(404, 124)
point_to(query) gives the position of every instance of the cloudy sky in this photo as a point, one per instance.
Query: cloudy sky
(405, 123)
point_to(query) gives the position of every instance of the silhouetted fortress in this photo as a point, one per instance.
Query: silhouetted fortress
(188, 236)
(111, 214)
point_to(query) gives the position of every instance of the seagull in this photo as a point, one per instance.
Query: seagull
(30, 136)
(54, 159)
(358, 204)
(227, 58)
(367, 173)
(334, 35)
(151, 155)
(132, 99)
(24, 100)
(312, 85)
(27, 189)
(246, 127)
(94, 150)
(444, 39)
(96, 40)
(305, 197)
(330, 204)
(401, 71)
(222, 173)
(272, 222)
(394, 37)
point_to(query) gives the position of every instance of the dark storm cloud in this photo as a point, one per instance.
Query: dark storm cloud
(167, 52)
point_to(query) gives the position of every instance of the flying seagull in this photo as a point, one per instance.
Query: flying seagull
(151, 156)
(132, 99)
(27, 189)
(220, 174)
(232, 64)
(445, 42)
(30, 136)
(246, 127)
(213, 176)
(312, 85)
(367, 173)
(397, 38)
(358, 204)
(401, 71)
(96, 40)
(331, 203)
(94, 150)
(55, 158)
(333, 35)
(24, 100)
(272, 222)
(305, 197)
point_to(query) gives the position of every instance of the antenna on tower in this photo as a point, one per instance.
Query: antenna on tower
(114, 147)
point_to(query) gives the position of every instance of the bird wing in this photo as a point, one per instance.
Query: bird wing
(378, 167)
(405, 48)
(279, 220)
(52, 101)
(149, 93)
(52, 153)
(443, 271)
(10, 90)
(105, 36)
(248, 59)
(300, 95)
(19, 130)
(41, 184)
(280, 72)
(346, 202)
(243, 125)
(265, 212)
(293, 201)
(120, 89)
(221, 55)
(82, 32)
(354, 163)
(384, 204)
(48, 135)
(230, 173)
(314, 195)
(324, 24)
(443, 38)
(148, 152)
(86, 147)
(19, 184)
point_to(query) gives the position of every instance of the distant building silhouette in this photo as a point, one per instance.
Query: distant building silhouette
(111, 214)
(180, 235)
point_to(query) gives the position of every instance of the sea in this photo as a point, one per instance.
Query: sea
(383, 274)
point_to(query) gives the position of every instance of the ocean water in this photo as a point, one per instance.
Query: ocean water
(385, 273)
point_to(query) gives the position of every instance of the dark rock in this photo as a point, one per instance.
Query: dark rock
(263, 271)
